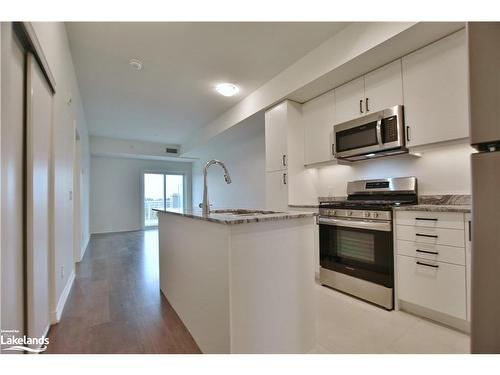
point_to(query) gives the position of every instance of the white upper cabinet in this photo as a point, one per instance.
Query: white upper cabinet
(349, 100)
(435, 91)
(384, 87)
(276, 138)
(318, 118)
(277, 190)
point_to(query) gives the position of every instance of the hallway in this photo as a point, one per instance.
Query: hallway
(115, 304)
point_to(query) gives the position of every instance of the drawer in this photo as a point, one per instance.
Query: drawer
(436, 236)
(430, 251)
(449, 220)
(441, 289)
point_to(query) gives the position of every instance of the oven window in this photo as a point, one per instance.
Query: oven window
(362, 136)
(362, 253)
(358, 246)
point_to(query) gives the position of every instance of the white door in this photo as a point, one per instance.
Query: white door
(38, 136)
(384, 87)
(276, 130)
(349, 100)
(277, 190)
(318, 117)
(435, 91)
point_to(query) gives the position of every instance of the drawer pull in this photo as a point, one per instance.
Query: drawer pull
(427, 252)
(426, 218)
(426, 235)
(427, 264)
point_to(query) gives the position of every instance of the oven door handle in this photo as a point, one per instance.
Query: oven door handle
(379, 131)
(379, 225)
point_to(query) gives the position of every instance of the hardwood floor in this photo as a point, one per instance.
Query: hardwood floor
(115, 305)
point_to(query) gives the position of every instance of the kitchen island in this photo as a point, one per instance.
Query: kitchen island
(241, 281)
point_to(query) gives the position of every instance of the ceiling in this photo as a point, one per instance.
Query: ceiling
(173, 95)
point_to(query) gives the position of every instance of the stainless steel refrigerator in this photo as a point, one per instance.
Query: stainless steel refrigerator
(484, 80)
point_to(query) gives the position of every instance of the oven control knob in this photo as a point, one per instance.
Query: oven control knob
(375, 214)
(367, 214)
(349, 213)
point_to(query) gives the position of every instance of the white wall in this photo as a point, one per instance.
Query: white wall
(242, 149)
(116, 191)
(54, 42)
(442, 169)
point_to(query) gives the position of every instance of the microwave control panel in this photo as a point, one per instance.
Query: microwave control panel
(390, 129)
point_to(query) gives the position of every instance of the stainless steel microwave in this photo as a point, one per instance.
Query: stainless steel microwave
(374, 135)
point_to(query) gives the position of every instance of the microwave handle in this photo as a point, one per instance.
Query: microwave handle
(379, 131)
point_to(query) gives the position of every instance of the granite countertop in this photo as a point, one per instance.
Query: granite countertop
(436, 208)
(440, 203)
(430, 203)
(231, 218)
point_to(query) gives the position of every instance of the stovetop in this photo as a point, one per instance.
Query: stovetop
(362, 204)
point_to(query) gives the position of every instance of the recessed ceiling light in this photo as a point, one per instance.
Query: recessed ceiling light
(227, 89)
(135, 64)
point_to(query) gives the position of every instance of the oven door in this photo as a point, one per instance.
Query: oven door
(358, 248)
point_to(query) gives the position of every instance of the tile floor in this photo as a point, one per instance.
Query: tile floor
(348, 325)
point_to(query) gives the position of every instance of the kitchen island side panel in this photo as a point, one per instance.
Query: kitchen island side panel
(194, 277)
(272, 302)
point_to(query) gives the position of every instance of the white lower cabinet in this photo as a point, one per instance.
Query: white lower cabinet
(435, 285)
(432, 265)
(437, 253)
(437, 236)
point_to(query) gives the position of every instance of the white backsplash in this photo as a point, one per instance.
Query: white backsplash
(442, 169)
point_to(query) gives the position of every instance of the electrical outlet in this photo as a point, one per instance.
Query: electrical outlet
(62, 272)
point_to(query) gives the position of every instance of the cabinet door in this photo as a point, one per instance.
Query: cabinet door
(384, 87)
(434, 285)
(276, 127)
(318, 117)
(468, 258)
(349, 100)
(435, 91)
(277, 190)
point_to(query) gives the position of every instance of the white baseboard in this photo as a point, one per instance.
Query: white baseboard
(56, 315)
(118, 231)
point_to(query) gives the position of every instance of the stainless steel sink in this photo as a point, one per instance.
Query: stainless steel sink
(243, 212)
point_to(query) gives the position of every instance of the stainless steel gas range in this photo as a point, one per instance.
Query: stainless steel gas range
(356, 238)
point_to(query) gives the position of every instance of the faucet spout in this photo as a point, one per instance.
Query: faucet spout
(206, 205)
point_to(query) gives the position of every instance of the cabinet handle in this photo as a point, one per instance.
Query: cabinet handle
(361, 106)
(426, 218)
(427, 264)
(366, 105)
(427, 252)
(470, 230)
(333, 150)
(426, 235)
(284, 160)
(284, 178)
(408, 134)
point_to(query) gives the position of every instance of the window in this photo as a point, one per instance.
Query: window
(161, 191)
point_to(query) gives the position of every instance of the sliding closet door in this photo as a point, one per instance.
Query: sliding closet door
(38, 141)
(12, 159)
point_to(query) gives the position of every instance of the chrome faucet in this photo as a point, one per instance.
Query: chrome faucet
(205, 205)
